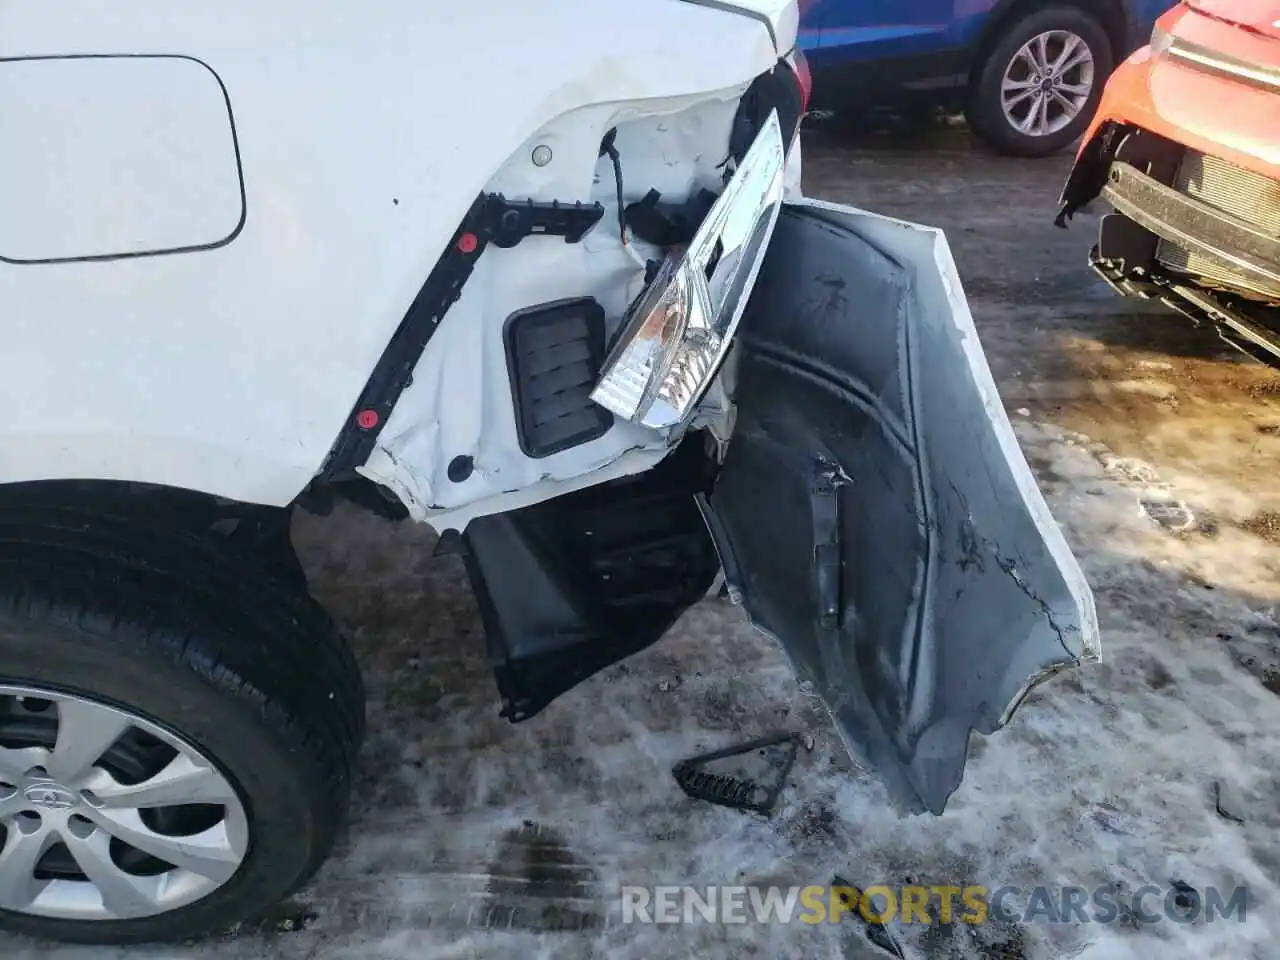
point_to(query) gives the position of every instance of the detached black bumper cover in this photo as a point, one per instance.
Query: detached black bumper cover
(875, 512)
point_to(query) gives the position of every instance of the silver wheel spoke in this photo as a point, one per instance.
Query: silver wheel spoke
(1075, 89)
(1069, 46)
(14, 763)
(1069, 107)
(181, 781)
(1042, 116)
(11, 801)
(1009, 85)
(1036, 118)
(211, 854)
(123, 894)
(1081, 56)
(73, 794)
(85, 732)
(1026, 122)
(1020, 98)
(22, 851)
(1041, 54)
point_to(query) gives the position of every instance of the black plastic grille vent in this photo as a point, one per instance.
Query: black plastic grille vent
(554, 355)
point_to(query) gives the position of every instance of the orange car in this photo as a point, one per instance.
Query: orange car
(1185, 147)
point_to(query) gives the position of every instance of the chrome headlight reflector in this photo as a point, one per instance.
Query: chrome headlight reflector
(678, 331)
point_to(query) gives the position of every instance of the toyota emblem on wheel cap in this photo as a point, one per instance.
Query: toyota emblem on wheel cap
(50, 796)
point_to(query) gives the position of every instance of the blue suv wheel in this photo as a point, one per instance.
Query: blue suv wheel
(1039, 85)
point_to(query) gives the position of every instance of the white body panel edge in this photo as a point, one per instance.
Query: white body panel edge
(363, 135)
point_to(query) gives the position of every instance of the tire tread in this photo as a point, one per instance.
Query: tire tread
(153, 587)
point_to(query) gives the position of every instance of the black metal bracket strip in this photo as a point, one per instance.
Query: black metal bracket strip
(492, 219)
(828, 551)
(728, 791)
(828, 562)
(1197, 226)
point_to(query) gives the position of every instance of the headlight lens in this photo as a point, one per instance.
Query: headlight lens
(679, 330)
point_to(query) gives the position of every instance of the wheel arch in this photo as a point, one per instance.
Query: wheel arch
(109, 594)
(192, 509)
(1114, 15)
(198, 510)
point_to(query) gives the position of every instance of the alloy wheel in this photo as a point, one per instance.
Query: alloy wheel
(1047, 83)
(105, 815)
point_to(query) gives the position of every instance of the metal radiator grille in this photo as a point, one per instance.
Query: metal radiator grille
(1242, 193)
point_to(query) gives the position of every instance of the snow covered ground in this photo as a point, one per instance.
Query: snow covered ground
(1157, 450)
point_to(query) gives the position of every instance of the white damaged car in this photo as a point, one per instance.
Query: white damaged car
(536, 274)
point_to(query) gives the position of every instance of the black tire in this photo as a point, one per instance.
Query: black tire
(116, 602)
(985, 112)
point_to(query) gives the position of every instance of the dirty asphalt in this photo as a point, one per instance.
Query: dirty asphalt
(1157, 447)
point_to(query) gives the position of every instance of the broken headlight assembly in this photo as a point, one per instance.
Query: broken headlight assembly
(680, 328)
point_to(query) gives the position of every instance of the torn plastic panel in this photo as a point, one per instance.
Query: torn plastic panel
(459, 402)
(781, 91)
(1089, 172)
(571, 585)
(874, 512)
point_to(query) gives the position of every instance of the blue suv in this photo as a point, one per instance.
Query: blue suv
(1027, 73)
